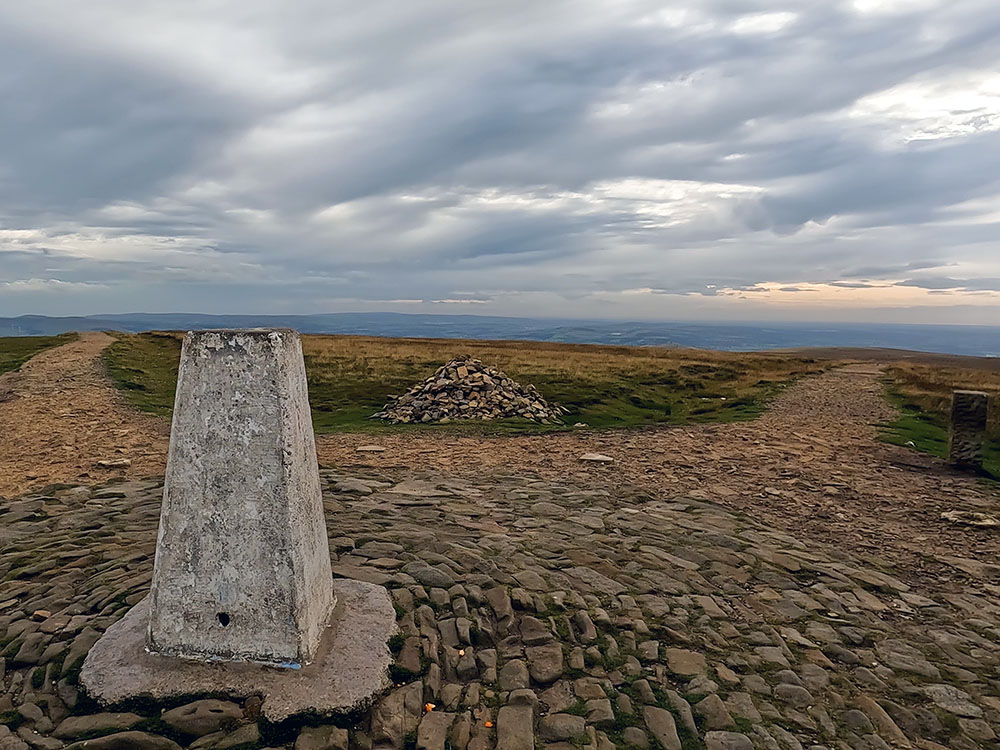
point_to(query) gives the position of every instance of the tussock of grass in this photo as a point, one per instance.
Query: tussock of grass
(351, 377)
(16, 350)
(923, 395)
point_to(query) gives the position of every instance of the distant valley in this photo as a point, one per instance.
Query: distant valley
(980, 341)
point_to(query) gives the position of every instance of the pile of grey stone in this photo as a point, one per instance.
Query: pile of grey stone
(467, 389)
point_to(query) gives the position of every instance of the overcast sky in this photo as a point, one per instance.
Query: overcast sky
(718, 159)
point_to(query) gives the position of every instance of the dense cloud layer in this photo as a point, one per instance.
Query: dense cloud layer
(632, 159)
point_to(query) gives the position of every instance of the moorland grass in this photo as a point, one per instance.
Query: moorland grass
(923, 394)
(351, 377)
(16, 350)
(144, 366)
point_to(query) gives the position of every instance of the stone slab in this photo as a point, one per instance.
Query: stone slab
(350, 667)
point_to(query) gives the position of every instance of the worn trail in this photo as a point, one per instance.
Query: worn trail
(812, 465)
(61, 417)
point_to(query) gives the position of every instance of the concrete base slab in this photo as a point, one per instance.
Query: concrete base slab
(350, 667)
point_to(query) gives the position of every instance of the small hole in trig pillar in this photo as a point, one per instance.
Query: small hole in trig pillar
(223, 618)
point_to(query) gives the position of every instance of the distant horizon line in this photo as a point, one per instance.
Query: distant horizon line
(689, 321)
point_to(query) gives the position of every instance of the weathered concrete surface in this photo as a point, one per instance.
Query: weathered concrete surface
(350, 667)
(242, 566)
(968, 429)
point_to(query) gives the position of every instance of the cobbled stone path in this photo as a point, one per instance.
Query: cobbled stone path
(533, 613)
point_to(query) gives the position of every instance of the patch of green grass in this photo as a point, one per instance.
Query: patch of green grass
(144, 367)
(925, 428)
(352, 377)
(16, 350)
(744, 726)
(948, 721)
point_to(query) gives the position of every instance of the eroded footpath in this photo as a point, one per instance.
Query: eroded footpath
(61, 420)
(811, 465)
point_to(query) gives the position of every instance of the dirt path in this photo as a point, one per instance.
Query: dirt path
(60, 417)
(812, 465)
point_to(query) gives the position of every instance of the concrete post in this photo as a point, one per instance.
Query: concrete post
(968, 429)
(242, 567)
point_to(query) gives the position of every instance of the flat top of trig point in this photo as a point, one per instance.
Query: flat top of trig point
(243, 331)
(227, 338)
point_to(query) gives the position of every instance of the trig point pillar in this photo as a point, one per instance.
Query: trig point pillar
(968, 429)
(243, 601)
(242, 559)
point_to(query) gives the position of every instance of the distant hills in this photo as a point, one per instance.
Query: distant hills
(967, 340)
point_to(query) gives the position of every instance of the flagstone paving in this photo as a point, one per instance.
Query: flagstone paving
(534, 613)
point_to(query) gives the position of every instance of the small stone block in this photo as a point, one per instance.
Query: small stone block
(969, 411)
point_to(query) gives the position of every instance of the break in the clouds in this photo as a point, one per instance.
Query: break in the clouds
(621, 158)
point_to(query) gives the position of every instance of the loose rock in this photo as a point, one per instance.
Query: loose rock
(467, 389)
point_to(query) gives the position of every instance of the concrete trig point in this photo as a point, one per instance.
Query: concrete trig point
(969, 411)
(243, 600)
(242, 559)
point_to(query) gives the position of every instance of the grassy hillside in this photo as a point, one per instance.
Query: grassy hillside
(923, 393)
(16, 350)
(351, 377)
(145, 367)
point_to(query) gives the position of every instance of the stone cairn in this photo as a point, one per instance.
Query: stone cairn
(467, 389)
(969, 411)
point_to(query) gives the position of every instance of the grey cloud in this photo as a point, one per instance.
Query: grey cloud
(943, 282)
(896, 270)
(81, 131)
(255, 153)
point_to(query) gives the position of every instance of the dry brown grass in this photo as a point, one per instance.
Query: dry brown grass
(351, 377)
(929, 387)
(584, 362)
(602, 385)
